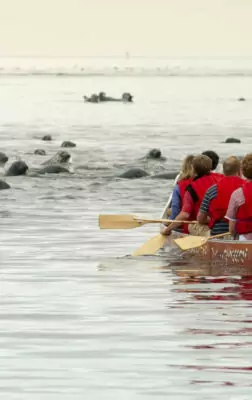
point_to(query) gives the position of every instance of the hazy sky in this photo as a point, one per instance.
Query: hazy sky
(112, 27)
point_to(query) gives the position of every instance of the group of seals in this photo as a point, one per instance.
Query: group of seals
(136, 173)
(55, 165)
(101, 98)
(59, 163)
(66, 143)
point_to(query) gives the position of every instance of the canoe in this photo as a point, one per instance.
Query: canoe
(223, 251)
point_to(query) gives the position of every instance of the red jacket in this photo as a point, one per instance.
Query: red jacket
(200, 186)
(182, 188)
(218, 206)
(217, 175)
(244, 212)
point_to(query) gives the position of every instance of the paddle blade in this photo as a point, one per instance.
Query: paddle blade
(151, 246)
(117, 221)
(190, 242)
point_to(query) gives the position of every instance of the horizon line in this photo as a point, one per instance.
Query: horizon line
(126, 57)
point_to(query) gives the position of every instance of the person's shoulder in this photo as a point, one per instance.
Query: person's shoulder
(237, 192)
(237, 196)
(176, 189)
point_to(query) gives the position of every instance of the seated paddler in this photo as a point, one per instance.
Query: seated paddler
(186, 176)
(215, 203)
(239, 212)
(194, 194)
(215, 162)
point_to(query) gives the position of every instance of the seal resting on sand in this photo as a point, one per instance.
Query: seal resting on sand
(4, 185)
(3, 158)
(134, 173)
(17, 168)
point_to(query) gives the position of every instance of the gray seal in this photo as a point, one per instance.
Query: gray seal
(232, 140)
(40, 152)
(17, 168)
(134, 173)
(102, 97)
(47, 138)
(94, 98)
(61, 157)
(4, 185)
(68, 144)
(3, 158)
(155, 154)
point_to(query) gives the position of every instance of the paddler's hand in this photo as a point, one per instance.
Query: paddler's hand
(165, 230)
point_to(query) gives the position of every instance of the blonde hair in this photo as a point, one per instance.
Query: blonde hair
(231, 166)
(247, 166)
(187, 168)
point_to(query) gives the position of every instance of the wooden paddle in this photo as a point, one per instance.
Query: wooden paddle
(151, 246)
(127, 221)
(191, 242)
(158, 241)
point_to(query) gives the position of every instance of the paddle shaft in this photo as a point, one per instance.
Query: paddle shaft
(219, 235)
(164, 221)
(128, 221)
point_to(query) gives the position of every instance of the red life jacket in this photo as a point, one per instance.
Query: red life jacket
(217, 175)
(244, 212)
(218, 206)
(182, 188)
(200, 186)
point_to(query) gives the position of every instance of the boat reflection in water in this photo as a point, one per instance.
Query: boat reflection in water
(213, 306)
(236, 284)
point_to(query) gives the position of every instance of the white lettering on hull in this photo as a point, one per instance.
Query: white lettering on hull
(227, 256)
(230, 255)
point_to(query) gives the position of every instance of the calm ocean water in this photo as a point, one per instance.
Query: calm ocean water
(80, 318)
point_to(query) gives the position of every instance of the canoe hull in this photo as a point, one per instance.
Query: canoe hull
(225, 252)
